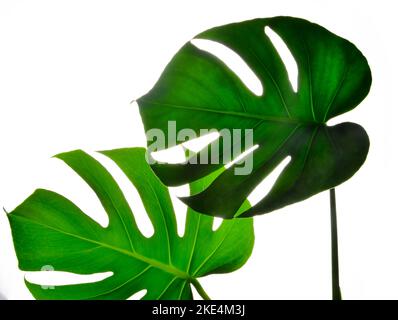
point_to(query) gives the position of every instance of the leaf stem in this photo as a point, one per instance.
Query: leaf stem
(335, 248)
(200, 289)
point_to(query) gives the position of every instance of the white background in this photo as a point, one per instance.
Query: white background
(68, 70)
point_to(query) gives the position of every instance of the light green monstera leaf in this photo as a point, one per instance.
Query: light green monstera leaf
(48, 229)
(198, 91)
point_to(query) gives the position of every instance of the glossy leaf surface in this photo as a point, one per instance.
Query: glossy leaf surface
(198, 91)
(48, 229)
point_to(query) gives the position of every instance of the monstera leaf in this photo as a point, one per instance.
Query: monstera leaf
(48, 229)
(198, 91)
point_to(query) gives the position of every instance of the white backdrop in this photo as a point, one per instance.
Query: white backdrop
(68, 70)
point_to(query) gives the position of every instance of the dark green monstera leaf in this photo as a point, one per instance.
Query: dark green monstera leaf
(198, 91)
(48, 229)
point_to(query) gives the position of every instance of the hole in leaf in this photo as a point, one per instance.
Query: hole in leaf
(201, 142)
(138, 295)
(285, 54)
(217, 222)
(233, 61)
(345, 117)
(264, 187)
(74, 189)
(241, 156)
(176, 154)
(173, 155)
(48, 277)
(132, 196)
(180, 208)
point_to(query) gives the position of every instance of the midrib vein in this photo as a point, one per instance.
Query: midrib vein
(231, 113)
(309, 72)
(121, 285)
(157, 264)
